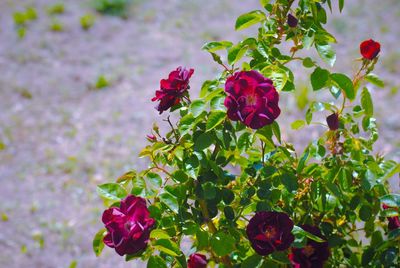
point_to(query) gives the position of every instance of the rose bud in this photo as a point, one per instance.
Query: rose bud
(394, 222)
(333, 121)
(173, 88)
(128, 226)
(292, 21)
(314, 254)
(270, 231)
(151, 138)
(197, 260)
(251, 99)
(370, 49)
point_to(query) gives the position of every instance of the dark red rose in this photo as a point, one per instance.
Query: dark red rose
(128, 226)
(292, 21)
(173, 89)
(252, 99)
(314, 254)
(333, 121)
(270, 231)
(394, 222)
(197, 260)
(370, 49)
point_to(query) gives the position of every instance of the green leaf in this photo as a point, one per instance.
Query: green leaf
(277, 75)
(214, 119)
(156, 262)
(277, 131)
(170, 201)
(344, 83)
(209, 190)
(319, 78)
(203, 141)
(308, 62)
(180, 176)
(252, 261)
(326, 53)
(222, 243)
(154, 179)
(391, 200)
(167, 246)
(298, 124)
(248, 19)
(158, 234)
(366, 102)
(235, 53)
(214, 46)
(341, 5)
(365, 213)
(98, 243)
(111, 191)
(299, 231)
(375, 80)
(290, 182)
(197, 107)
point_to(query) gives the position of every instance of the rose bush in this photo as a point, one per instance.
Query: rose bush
(223, 176)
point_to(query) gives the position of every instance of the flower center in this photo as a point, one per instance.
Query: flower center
(308, 250)
(251, 100)
(128, 225)
(270, 232)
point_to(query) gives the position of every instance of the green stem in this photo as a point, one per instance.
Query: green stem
(211, 227)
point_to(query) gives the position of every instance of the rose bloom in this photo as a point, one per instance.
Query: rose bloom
(252, 99)
(333, 121)
(270, 231)
(314, 254)
(394, 222)
(370, 49)
(197, 260)
(173, 88)
(128, 226)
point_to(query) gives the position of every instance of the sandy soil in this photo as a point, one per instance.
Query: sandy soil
(66, 138)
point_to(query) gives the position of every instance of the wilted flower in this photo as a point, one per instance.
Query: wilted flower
(173, 89)
(128, 226)
(252, 99)
(333, 121)
(292, 21)
(270, 231)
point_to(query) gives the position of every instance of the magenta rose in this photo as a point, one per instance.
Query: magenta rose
(197, 260)
(313, 254)
(128, 226)
(394, 222)
(252, 99)
(173, 88)
(369, 49)
(333, 121)
(270, 231)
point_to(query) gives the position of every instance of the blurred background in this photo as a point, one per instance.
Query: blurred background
(76, 79)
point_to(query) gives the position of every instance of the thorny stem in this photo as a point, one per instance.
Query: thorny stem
(159, 168)
(172, 127)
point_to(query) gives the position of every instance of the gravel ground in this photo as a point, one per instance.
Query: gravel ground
(62, 138)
